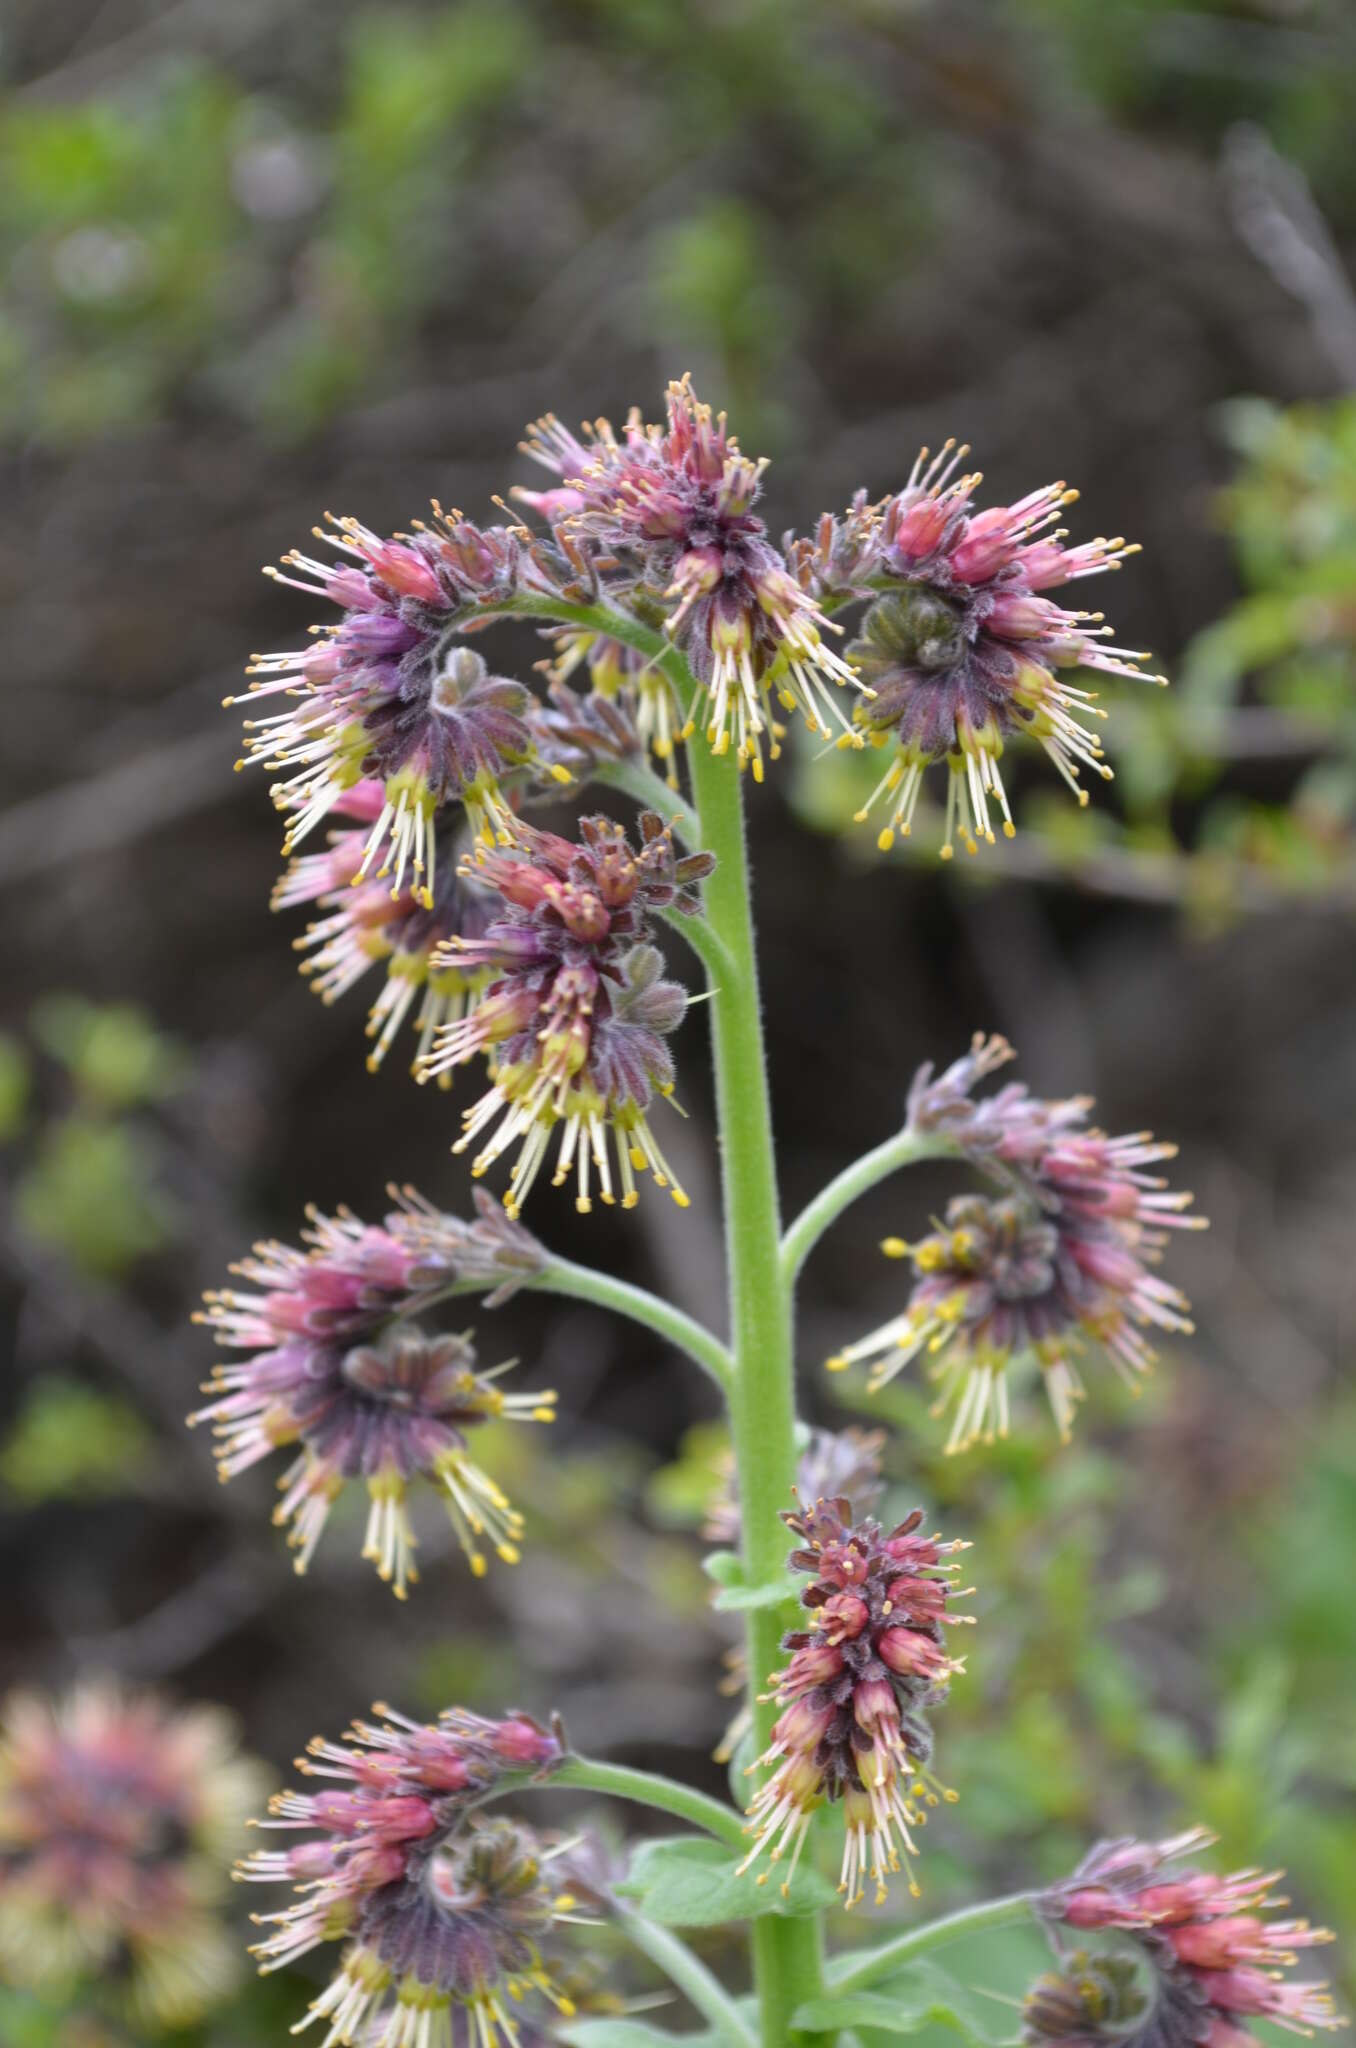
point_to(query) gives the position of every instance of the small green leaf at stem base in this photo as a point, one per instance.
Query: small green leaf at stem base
(726, 1567)
(683, 1881)
(924, 1996)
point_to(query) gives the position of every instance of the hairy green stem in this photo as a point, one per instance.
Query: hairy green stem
(904, 1149)
(690, 1975)
(598, 618)
(636, 779)
(583, 1283)
(786, 1952)
(647, 1788)
(854, 1973)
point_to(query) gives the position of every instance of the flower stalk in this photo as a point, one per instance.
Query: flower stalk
(787, 1953)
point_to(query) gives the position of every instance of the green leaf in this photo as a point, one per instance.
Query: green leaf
(685, 1882)
(924, 1996)
(736, 1595)
(736, 1599)
(724, 1566)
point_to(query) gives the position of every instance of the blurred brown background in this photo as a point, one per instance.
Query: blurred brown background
(268, 258)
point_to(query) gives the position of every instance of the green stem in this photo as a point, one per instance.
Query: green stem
(582, 1283)
(690, 1975)
(705, 943)
(854, 1973)
(786, 1952)
(598, 618)
(636, 779)
(647, 1788)
(904, 1149)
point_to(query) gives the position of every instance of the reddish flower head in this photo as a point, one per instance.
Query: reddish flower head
(118, 1816)
(1060, 1262)
(574, 1020)
(364, 926)
(1216, 1963)
(961, 652)
(390, 694)
(337, 1369)
(856, 1692)
(443, 1912)
(671, 507)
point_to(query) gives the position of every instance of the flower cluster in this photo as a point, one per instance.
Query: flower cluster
(582, 734)
(831, 1463)
(630, 683)
(961, 652)
(1093, 2001)
(392, 694)
(1060, 1260)
(1215, 1963)
(118, 1816)
(337, 1368)
(671, 509)
(574, 1020)
(365, 926)
(443, 1911)
(856, 1693)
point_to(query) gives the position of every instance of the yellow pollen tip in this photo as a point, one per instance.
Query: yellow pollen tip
(885, 839)
(894, 1247)
(837, 1363)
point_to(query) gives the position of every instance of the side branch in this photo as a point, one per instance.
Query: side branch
(906, 1148)
(856, 1972)
(647, 1788)
(583, 1283)
(690, 1974)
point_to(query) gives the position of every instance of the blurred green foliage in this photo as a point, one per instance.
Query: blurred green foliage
(71, 1443)
(89, 1182)
(192, 234)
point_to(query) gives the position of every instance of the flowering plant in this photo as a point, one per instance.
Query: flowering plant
(918, 624)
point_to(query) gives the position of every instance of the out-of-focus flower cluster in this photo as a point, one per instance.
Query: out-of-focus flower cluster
(1214, 1963)
(1058, 1262)
(445, 1912)
(119, 1816)
(575, 1014)
(833, 1462)
(856, 1694)
(1091, 1999)
(337, 1368)
(961, 652)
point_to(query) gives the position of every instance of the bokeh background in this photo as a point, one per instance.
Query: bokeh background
(270, 256)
